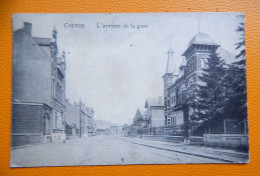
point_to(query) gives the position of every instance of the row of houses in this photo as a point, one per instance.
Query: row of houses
(40, 111)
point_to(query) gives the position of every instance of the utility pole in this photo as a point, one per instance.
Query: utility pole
(225, 128)
(80, 118)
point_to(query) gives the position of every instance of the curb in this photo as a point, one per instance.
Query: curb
(177, 151)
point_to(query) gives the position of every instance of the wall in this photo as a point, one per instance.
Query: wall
(157, 114)
(72, 114)
(234, 141)
(27, 125)
(31, 71)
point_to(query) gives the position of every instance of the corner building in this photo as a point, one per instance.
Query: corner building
(180, 83)
(38, 89)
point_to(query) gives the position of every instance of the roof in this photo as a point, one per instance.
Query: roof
(42, 41)
(170, 67)
(154, 102)
(201, 38)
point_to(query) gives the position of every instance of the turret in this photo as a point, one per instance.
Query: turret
(168, 76)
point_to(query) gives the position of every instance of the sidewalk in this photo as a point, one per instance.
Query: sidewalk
(225, 155)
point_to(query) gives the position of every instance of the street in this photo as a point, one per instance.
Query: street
(100, 150)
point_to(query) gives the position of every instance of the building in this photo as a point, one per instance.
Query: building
(87, 121)
(38, 89)
(102, 131)
(181, 83)
(154, 112)
(79, 120)
(116, 130)
(72, 120)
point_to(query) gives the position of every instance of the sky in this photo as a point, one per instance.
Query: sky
(114, 70)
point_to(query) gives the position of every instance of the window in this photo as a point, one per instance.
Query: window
(53, 88)
(183, 93)
(57, 91)
(60, 92)
(183, 87)
(191, 65)
(46, 124)
(202, 63)
(173, 98)
(58, 120)
(190, 82)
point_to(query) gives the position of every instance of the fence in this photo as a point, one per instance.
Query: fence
(167, 130)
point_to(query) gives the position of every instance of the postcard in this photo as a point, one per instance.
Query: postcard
(128, 88)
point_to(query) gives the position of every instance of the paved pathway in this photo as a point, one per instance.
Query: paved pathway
(99, 150)
(225, 155)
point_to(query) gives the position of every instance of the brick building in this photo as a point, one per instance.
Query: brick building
(38, 89)
(181, 82)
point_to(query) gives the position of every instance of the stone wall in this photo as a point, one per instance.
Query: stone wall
(234, 141)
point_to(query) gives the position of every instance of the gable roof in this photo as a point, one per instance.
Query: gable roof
(154, 102)
(42, 41)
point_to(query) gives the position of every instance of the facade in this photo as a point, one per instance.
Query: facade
(72, 119)
(181, 83)
(154, 112)
(38, 89)
(103, 131)
(79, 120)
(116, 130)
(87, 121)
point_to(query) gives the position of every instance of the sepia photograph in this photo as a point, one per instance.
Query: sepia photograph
(128, 89)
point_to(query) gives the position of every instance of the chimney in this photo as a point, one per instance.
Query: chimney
(28, 28)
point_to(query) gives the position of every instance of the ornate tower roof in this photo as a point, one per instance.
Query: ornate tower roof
(202, 39)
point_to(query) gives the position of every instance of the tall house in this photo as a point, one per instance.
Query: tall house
(38, 89)
(181, 89)
(155, 112)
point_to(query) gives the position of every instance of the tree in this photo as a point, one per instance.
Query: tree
(138, 118)
(241, 44)
(235, 82)
(138, 124)
(236, 107)
(209, 100)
